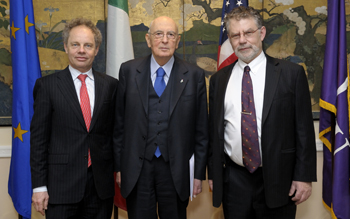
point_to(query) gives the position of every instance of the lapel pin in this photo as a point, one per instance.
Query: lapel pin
(182, 80)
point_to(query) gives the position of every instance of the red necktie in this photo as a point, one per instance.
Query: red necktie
(85, 107)
(250, 138)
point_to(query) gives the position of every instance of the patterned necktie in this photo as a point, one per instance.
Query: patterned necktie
(250, 138)
(159, 86)
(85, 107)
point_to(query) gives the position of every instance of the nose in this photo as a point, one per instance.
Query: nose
(81, 49)
(165, 38)
(242, 38)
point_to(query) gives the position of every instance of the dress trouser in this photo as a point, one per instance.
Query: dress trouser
(155, 189)
(90, 207)
(244, 195)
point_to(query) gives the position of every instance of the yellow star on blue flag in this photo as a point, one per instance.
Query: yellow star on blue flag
(19, 132)
(13, 30)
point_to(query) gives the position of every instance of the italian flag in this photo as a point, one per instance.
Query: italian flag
(119, 42)
(119, 50)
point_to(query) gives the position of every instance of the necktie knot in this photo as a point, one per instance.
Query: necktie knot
(160, 72)
(82, 78)
(246, 69)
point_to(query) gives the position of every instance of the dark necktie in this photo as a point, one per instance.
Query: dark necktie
(85, 107)
(159, 86)
(250, 138)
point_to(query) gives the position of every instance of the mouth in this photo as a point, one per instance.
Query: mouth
(82, 59)
(164, 48)
(244, 49)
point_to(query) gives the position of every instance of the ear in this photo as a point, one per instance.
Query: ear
(148, 40)
(65, 47)
(262, 33)
(97, 48)
(178, 41)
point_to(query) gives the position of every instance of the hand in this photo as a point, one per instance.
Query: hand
(40, 200)
(197, 187)
(210, 182)
(302, 191)
(118, 179)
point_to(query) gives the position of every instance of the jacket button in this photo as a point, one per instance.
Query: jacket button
(144, 137)
(224, 165)
(140, 158)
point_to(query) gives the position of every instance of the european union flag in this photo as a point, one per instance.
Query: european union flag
(334, 115)
(25, 70)
(226, 56)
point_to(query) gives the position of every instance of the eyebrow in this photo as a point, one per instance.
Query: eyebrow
(245, 30)
(170, 31)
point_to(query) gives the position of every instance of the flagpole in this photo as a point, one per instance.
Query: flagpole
(115, 212)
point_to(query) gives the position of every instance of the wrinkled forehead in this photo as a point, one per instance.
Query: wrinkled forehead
(242, 23)
(164, 25)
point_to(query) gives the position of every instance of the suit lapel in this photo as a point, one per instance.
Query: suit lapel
(99, 90)
(179, 81)
(271, 81)
(142, 81)
(66, 86)
(223, 80)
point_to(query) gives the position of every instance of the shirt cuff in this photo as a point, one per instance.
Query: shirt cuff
(40, 189)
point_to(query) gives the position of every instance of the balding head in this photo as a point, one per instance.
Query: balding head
(163, 39)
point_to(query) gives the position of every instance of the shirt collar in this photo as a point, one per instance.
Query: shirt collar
(75, 73)
(253, 65)
(167, 67)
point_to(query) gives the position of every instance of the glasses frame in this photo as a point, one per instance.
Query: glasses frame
(160, 35)
(238, 36)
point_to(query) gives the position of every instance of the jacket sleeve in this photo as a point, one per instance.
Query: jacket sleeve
(40, 132)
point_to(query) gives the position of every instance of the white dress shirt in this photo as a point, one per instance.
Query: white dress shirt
(167, 69)
(233, 105)
(90, 85)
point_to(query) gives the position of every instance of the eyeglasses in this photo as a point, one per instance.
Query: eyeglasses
(246, 34)
(160, 35)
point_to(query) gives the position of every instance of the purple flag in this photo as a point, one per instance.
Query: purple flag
(334, 115)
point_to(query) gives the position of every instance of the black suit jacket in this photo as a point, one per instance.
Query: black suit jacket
(60, 140)
(287, 139)
(188, 123)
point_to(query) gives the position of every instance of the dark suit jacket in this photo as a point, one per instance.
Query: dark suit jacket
(288, 139)
(188, 123)
(60, 140)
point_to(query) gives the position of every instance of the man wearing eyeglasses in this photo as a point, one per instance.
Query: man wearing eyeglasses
(262, 153)
(162, 122)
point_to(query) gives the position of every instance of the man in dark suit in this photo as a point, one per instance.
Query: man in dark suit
(71, 133)
(262, 153)
(161, 123)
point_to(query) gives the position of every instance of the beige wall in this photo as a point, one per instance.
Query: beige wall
(199, 208)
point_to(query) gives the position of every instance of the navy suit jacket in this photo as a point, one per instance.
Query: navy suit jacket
(188, 123)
